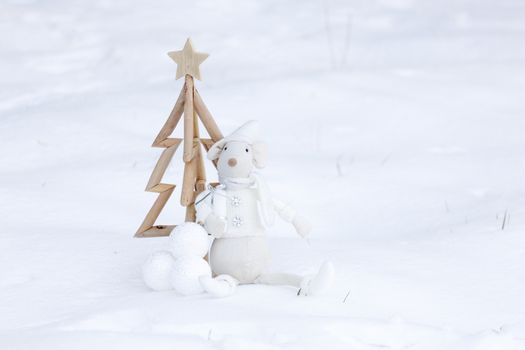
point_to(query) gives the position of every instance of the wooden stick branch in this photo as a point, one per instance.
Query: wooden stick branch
(162, 165)
(169, 142)
(158, 231)
(172, 121)
(159, 188)
(188, 120)
(155, 210)
(207, 143)
(206, 118)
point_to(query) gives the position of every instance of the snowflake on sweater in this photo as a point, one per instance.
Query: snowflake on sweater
(237, 221)
(236, 201)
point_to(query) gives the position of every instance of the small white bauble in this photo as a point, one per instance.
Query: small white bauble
(186, 272)
(189, 238)
(157, 269)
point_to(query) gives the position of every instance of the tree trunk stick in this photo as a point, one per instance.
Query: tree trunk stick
(188, 120)
(188, 182)
(201, 170)
(191, 214)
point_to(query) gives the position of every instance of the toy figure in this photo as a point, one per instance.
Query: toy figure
(236, 213)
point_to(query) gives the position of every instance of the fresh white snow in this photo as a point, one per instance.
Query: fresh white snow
(396, 126)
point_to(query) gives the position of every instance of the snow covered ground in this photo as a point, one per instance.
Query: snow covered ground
(397, 126)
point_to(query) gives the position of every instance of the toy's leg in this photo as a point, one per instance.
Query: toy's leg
(220, 286)
(286, 279)
(308, 285)
(318, 283)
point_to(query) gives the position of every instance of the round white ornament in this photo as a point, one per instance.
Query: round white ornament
(189, 238)
(156, 271)
(186, 272)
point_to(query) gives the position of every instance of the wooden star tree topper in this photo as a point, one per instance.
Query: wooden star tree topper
(188, 60)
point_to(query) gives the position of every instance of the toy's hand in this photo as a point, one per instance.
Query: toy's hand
(215, 225)
(302, 225)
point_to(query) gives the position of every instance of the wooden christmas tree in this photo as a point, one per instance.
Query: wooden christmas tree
(190, 105)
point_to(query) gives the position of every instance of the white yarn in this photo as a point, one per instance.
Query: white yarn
(157, 269)
(186, 272)
(189, 238)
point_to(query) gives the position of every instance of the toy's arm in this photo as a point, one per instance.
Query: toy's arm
(203, 206)
(288, 214)
(213, 224)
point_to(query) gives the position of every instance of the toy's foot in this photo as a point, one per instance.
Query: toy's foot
(318, 283)
(220, 286)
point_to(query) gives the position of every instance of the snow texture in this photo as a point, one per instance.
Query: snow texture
(395, 126)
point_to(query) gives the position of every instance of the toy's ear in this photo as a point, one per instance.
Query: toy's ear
(216, 149)
(260, 153)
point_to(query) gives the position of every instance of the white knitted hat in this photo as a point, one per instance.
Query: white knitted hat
(248, 132)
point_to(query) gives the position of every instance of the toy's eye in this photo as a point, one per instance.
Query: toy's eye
(247, 150)
(225, 148)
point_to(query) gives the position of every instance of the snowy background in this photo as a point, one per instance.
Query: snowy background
(397, 126)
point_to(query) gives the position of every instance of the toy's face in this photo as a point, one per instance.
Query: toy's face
(235, 160)
(238, 154)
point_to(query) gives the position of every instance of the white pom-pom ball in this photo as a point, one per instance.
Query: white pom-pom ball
(156, 271)
(186, 272)
(189, 238)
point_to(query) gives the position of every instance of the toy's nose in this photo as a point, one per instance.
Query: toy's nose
(232, 162)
